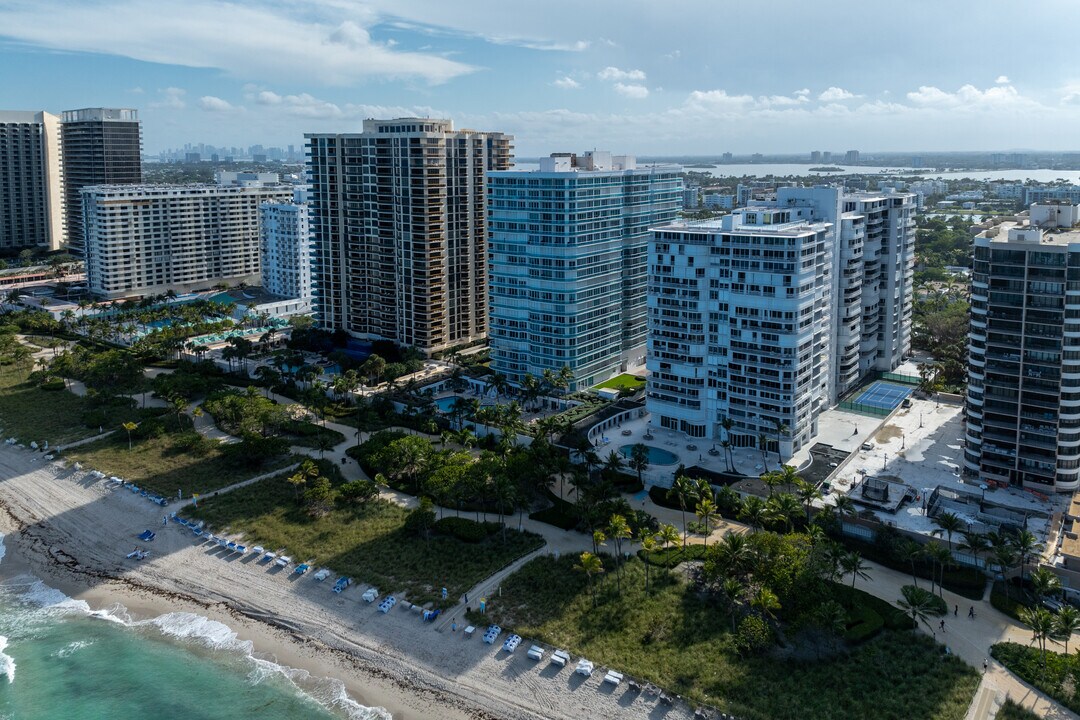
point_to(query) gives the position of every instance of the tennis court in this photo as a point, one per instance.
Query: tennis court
(883, 395)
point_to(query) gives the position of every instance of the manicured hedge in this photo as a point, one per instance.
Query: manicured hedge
(1059, 679)
(671, 556)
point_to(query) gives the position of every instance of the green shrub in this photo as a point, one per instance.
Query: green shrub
(753, 636)
(53, 384)
(149, 428)
(1009, 605)
(1011, 711)
(364, 454)
(191, 442)
(466, 530)
(1058, 678)
(863, 623)
(672, 556)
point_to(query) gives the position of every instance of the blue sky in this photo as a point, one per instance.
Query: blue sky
(676, 77)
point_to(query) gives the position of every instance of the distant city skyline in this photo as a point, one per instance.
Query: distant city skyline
(686, 78)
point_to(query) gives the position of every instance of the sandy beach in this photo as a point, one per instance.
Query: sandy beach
(73, 532)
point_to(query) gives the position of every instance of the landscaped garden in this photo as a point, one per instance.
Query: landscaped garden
(680, 636)
(338, 525)
(625, 381)
(1056, 674)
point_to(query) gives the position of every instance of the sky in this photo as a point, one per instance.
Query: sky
(679, 77)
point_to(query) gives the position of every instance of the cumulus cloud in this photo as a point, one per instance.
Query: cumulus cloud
(637, 92)
(1002, 80)
(171, 97)
(567, 83)
(614, 73)
(215, 104)
(266, 42)
(967, 96)
(835, 94)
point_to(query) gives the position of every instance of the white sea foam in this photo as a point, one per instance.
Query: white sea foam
(7, 663)
(211, 634)
(71, 648)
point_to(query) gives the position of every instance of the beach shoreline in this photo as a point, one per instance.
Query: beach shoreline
(72, 533)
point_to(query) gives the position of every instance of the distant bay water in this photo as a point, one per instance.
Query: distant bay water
(59, 659)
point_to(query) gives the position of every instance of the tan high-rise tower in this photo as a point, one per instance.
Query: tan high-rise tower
(398, 219)
(31, 181)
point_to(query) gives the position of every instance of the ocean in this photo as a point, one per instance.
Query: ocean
(61, 660)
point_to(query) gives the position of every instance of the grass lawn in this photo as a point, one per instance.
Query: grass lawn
(680, 641)
(30, 413)
(158, 464)
(368, 543)
(622, 382)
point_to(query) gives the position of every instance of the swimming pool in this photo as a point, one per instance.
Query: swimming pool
(657, 456)
(445, 403)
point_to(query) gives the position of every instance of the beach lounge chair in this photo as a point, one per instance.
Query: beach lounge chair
(241, 548)
(269, 557)
(492, 634)
(613, 678)
(258, 549)
(209, 537)
(284, 561)
(301, 568)
(197, 532)
(386, 605)
(321, 575)
(223, 542)
(560, 658)
(536, 653)
(341, 584)
(147, 536)
(584, 667)
(370, 594)
(231, 546)
(511, 643)
(430, 615)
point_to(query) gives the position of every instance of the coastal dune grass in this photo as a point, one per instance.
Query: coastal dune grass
(31, 413)
(368, 543)
(164, 464)
(677, 639)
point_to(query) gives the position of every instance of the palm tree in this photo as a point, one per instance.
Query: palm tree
(807, 493)
(683, 489)
(766, 603)
(668, 535)
(912, 552)
(619, 530)
(853, 563)
(706, 512)
(771, 480)
(1006, 558)
(783, 509)
(639, 459)
(614, 463)
(1066, 622)
(845, 506)
(130, 427)
(950, 523)
(648, 546)
(323, 443)
(733, 591)
(726, 444)
(941, 556)
(590, 565)
(599, 540)
(727, 423)
(733, 554)
(976, 544)
(753, 511)
(1027, 546)
(782, 428)
(917, 603)
(762, 441)
(1041, 622)
(1044, 583)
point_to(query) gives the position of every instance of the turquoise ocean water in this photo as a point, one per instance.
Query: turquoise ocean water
(61, 661)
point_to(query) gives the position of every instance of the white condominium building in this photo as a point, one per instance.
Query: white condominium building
(285, 229)
(399, 223)
(568, 259)
(740, 327)
(1023, 396)
(31, 181)
(145, 239)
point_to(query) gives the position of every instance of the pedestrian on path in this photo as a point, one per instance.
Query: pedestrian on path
(942, 626)
(985, 665)
(971, 612)
(956, 611)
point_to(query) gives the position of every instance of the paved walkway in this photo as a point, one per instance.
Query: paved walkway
(968, 638)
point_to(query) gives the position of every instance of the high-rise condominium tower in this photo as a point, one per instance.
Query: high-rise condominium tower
(739, 320)
(286, 246)
(31, 181)
(143, 239)
(102, 146)
(1023, 396)
(398, 218)
(568, 250)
